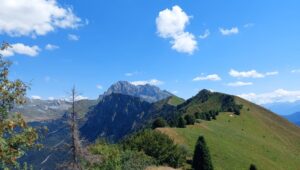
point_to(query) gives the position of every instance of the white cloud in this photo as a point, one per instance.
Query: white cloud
(248, 25)
(73, 37)
(22, 49)
(51, 47)
(154, 82)
(205, 34)
(279, 95)
(51, 98)
(171, 24)
(239, 84)
(211, 77)
(250, 74)
(34, 17)
(36, 97)
(295, 71)
(77, 98)
(175, 92)
(184, 43)
(99, 86)
(233, 30)
(129, 74)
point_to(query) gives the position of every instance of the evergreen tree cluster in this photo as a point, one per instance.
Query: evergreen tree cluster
(201, 158)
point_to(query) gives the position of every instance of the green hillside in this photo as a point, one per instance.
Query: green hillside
(235, 141)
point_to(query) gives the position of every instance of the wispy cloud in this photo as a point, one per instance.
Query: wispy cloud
(239, 84)
(23, 18)
(21, 49)
(279, 95)
(130, 74)
(295, 71)
(250, 74)
(73, 37)
(171, 24)
(51, 47)
(248, 25)
(98, 86)
(36, 97)
(144, 82)
(211, 77)
(205, 34)
(231, 31)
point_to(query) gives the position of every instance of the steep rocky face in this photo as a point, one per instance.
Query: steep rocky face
(114, 116)
(146, 92)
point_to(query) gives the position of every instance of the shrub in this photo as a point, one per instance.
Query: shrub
(133, 160)
(190, 119)
(158, 146)
(159, 122)
(201, 159)
(181, 123)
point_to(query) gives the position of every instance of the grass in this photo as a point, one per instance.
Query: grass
(257, 137)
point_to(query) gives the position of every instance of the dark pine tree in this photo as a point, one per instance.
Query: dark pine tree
(190, 119)
(252, 167)
(201, 159)
(181, 122)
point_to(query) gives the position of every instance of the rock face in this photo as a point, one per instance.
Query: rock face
(146, 92)
(115, 116)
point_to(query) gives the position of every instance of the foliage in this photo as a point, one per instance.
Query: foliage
(158, 146)
(134, 160)
(159, 122)
(190, 119)
(229, 105)
(110, 156)
(201, 159)
(181, 122)
(15, 135)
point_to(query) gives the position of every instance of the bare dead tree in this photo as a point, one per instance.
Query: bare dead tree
(76, 144)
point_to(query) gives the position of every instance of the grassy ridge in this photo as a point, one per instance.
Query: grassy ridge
(256, 136)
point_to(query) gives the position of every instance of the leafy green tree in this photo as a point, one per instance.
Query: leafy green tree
(201, 159)
(16, 137)
(190, 119)
(158, 146)
(252, 167)
(159, 122)
(181, 123)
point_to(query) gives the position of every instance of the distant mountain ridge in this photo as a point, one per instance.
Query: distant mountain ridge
(146, 92)
(294, 118)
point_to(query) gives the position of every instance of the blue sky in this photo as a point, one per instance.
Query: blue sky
(248, 48)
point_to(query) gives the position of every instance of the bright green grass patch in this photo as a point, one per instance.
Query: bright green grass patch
(256, 136)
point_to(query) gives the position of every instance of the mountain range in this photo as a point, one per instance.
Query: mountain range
(241, 134)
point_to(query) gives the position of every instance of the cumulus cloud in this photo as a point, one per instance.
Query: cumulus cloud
(205, 34)
(22, 49)
(211, 77)
(171, 24)
(239, 84)
(154, 82)
(34, 17)
(51, 47)
(73, 37)
(250, 74)
(231, 31)
(279, 95)
(36, 97)
(77, 98)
